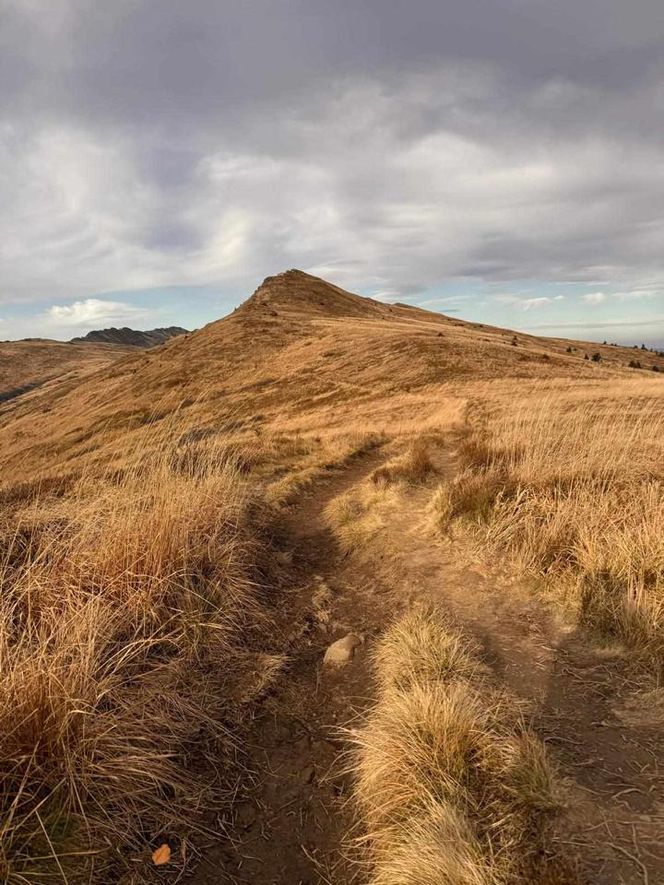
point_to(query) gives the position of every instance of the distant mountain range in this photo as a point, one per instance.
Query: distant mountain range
(130, 337)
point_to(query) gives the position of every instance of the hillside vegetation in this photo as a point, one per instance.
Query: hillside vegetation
(26, 365)
(300, 356)
(568, 483)
(125, 604)
(142, 576)
(452, 785)
(131, 337)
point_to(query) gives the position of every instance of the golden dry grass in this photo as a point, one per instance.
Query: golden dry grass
(451, 786)
(29, 364)
(130, 534)
(415, 466)
(358, 515)
(317, 455)
(299, 356)
(125, 604)
(569, 485)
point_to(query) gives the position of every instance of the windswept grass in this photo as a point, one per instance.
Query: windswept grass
(451, 786)
(317, 456)
(414, 467)
(124, 609)
(571, 487)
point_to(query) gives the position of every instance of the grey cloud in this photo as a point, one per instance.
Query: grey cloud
(652, 324)
(155, 142)
(173, 62)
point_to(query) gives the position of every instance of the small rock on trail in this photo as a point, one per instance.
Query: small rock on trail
(341, 651)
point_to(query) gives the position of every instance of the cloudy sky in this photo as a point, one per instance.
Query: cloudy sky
(499, 159)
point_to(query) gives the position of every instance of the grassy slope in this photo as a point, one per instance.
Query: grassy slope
(570, 484)
(128, 593)
(29, 364)
(300, 355)
(124, 604)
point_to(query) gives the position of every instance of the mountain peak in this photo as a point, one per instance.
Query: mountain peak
(297, 292)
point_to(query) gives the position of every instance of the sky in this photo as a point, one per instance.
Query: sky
(501, 160)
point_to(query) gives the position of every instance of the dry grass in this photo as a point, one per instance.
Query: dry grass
(414, 467)
(359, 515)
(125, 604)
(128, 564)
(451, 786)
(27, 365)
(320, 455)
(302, 355)
(571, 486)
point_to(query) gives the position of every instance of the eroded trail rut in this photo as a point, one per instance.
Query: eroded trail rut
(292, 826)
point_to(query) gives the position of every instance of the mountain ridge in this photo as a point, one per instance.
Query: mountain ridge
(130, 337)
(298, 353)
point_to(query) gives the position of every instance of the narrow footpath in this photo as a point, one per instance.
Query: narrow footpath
(294, 825)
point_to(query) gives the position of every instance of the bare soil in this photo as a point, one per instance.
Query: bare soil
(293, 823)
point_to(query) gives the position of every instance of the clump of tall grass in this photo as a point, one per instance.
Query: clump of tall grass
(451, 786)
(414, 467)
(122, 611)
(572, 489)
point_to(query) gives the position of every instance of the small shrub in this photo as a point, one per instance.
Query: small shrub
(418, 465)
(382, 476)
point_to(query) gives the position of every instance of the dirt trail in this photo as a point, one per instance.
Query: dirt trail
(291, 827)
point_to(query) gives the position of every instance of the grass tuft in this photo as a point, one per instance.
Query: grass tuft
(415, 467)
(451, 786)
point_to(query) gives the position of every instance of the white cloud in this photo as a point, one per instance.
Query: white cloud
(94, 312)
(386, 182)
(83, 212)
(531, 303)
(594, 298)
(528, 303)
(387, 295)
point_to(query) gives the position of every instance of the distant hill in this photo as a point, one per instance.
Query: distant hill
(130, 337)
(34, 362)
(300, 352)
